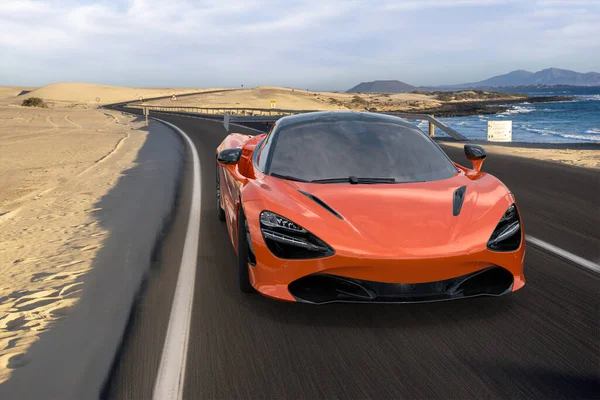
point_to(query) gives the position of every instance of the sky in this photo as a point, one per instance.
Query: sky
(309, 44)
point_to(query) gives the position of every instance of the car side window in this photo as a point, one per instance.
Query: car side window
(263, 155)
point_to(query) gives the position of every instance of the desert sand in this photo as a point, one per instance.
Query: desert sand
(295, 99)
(86, 93)
(56, 164)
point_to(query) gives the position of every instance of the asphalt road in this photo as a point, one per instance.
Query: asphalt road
(540, 342)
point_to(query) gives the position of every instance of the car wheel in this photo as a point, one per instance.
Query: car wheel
(243, 255)
(220, 211)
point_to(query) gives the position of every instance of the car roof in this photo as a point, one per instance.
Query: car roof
(340, 116)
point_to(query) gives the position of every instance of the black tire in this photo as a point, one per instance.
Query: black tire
(243, 276)
(220, 211)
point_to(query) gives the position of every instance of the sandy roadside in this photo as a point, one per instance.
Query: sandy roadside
(294, 99)
(55, 164)
(575, 157)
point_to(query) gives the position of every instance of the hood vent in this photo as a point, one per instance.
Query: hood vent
(458, 199)
(321, 203)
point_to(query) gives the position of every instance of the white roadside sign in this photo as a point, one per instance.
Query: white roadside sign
(226, 122)
(500, 131)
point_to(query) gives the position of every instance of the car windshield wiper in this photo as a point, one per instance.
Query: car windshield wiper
(291, 178)
(354, 180)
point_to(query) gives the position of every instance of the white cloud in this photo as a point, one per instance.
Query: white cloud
(431, 4)
(219, 42)
(23, 6)
(569, 3)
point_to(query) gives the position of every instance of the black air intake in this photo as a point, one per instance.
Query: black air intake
(458, 199)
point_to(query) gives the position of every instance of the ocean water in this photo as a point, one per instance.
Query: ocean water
(558, 122)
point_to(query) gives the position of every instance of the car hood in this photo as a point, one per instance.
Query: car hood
(407, 216)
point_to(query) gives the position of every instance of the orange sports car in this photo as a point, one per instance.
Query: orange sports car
(364, 207)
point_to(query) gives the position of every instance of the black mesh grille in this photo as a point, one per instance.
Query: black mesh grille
(325, 288)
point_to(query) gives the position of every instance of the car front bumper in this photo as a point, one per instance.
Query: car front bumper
(355, 278)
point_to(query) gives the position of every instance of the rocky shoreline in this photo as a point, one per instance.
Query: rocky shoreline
(470, 108)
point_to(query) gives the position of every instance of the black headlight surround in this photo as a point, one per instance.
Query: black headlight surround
(508, 233)
(288, 240)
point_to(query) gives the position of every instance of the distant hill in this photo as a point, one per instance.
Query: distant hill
(549, 76)
(382, 87)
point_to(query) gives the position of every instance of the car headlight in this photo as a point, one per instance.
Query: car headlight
(507, 235)
(286, 239)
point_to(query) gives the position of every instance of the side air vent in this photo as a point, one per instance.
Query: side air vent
(458, 199)
(321, 203)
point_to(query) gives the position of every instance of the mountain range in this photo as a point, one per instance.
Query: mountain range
(547, 77)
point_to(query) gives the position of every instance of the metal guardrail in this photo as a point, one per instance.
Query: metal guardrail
(432, 122)
(266, 115)
(239, 111)
(131, 102)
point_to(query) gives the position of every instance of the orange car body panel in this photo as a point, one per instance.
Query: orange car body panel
(396, 233)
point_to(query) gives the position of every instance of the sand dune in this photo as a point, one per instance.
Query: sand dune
(56, 164)
(295, 99)
(13, 91)
(88, 92)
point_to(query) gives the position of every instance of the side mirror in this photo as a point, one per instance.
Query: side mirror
(229, 156)
(476, 154)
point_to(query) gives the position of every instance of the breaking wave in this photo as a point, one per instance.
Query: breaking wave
(518, 110)
(422, 124)
(593, 97)
(546, 132)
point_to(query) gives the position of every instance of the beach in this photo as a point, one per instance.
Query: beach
(582, 155)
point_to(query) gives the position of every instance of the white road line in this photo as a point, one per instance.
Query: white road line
(171, 372)
(563, 253)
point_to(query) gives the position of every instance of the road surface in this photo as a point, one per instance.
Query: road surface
(540, 342)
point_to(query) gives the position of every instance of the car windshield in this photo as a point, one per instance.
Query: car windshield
(358, 151)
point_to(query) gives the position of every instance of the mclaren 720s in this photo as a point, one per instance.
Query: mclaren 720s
(364, 207)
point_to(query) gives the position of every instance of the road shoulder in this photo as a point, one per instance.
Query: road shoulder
(72, 360)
